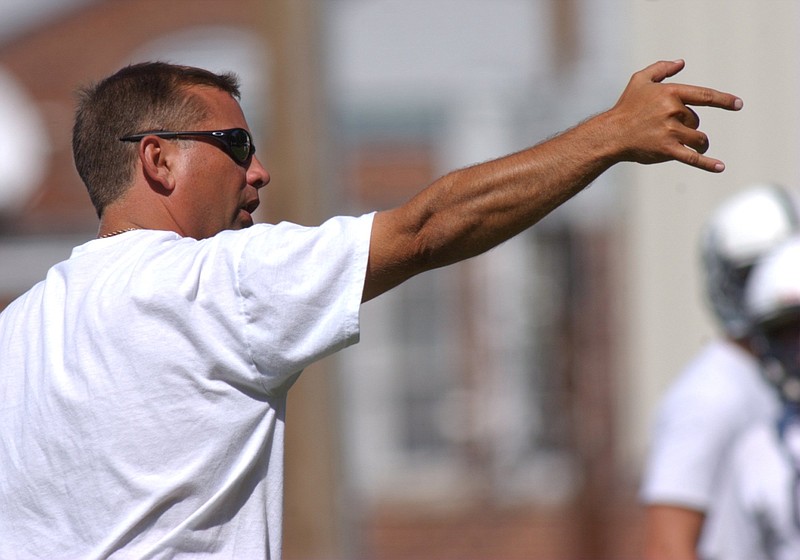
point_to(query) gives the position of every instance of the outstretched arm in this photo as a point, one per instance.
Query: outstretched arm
(471, 210)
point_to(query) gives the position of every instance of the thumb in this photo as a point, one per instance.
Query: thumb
(663, 69)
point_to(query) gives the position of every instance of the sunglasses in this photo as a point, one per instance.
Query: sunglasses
(236, 142)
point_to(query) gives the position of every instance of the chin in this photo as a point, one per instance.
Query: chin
(243, 222)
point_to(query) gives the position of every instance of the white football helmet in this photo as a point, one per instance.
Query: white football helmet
(772, 301)
(742, 229)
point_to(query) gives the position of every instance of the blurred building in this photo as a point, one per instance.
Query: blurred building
(480, 392)
(494, 409)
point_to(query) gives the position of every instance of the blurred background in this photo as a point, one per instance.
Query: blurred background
(495, 409)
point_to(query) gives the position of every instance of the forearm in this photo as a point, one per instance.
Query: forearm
(474, 209)
(672, 533)
(471, 210)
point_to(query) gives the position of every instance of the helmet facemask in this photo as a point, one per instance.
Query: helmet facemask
(776, 342)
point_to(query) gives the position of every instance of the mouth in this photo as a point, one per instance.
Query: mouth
(251, 206)
(246, 212)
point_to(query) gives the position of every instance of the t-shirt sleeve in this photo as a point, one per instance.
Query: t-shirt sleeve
(301, 292)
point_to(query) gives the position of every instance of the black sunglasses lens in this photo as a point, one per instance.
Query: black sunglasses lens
(240, 144)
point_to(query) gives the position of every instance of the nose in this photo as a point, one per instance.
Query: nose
(257, 175)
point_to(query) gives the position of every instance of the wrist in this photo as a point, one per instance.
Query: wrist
(608, 142)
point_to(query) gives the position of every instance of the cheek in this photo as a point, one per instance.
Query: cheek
(215, 181)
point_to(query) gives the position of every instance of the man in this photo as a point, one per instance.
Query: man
(145, 380)
(721, 391)
(760, 516)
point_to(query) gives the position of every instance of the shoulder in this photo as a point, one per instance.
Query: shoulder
(722, 374)
(720, 358)
(718, 394)
(293, 250)
(339, 233)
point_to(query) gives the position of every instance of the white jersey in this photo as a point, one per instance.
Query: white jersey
(143, 388)
(759, 510)
(718, 395)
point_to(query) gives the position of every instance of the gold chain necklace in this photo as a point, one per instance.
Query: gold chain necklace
(113, 233)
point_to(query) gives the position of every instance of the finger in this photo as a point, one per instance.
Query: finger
(695, 159)
(696, 140)
(707, 97)
(689, 118)
(663, 69)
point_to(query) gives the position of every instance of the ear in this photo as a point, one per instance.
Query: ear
(156, 156)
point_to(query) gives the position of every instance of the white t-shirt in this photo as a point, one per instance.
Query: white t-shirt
(143, 388)
(757, 511)
(719, 394)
